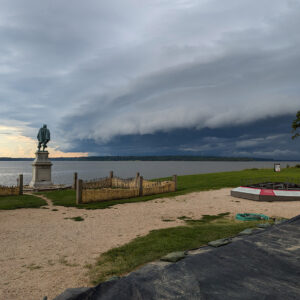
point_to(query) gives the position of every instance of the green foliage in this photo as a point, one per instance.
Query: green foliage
(185, 184)
(157, 243)
(296, 125)
(22, 201)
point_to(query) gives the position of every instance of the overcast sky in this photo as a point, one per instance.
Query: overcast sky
(132, 77)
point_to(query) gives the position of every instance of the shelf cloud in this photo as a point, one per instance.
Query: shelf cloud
(99, 73)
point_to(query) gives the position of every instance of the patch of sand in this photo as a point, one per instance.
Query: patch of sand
(42, 253)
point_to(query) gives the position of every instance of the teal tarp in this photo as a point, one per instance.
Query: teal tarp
(251, 217)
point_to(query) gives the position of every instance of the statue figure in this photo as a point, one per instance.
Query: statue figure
(43, 137)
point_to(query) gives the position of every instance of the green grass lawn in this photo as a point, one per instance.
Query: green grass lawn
(22, 201)
(157, 243)
(187, 184)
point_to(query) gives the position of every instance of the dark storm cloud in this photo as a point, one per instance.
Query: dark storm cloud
(99, 73)
(269, 138)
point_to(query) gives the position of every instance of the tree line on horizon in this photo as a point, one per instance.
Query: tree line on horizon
(145, 158)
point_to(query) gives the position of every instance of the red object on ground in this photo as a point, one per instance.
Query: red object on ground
(267, 192)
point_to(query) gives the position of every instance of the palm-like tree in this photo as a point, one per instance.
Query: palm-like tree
(296, 125)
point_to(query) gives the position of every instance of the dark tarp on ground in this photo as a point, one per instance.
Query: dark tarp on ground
(265, 265)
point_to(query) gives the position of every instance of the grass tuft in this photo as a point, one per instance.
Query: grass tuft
(62, 260)
(183, 218)
(206, 219)
(32, 267)
(77, 219)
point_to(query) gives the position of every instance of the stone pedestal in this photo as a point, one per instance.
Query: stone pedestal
(41, 170)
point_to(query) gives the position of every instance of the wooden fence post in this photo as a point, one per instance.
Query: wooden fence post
(175, 181)
(137, 178)
(75, 177)
(79, 191)
(140, 185)
(20, 183)
(111, 176)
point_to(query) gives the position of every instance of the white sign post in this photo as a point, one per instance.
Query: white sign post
(276, 167)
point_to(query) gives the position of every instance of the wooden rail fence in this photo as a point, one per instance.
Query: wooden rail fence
(111, 188)
(13, 190)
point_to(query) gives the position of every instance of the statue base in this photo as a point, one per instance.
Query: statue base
(41, 170)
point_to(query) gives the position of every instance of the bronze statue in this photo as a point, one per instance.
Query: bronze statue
(43, 137)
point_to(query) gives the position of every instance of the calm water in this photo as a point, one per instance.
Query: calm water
(62, 171)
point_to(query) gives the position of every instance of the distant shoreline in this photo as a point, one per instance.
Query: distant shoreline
(146, 158)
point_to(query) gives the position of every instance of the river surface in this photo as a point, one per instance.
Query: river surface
(62, 171)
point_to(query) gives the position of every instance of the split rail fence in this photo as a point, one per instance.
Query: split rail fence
(13, 190)
(113, 188)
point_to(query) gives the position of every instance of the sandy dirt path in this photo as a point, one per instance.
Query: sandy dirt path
(42, 252)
